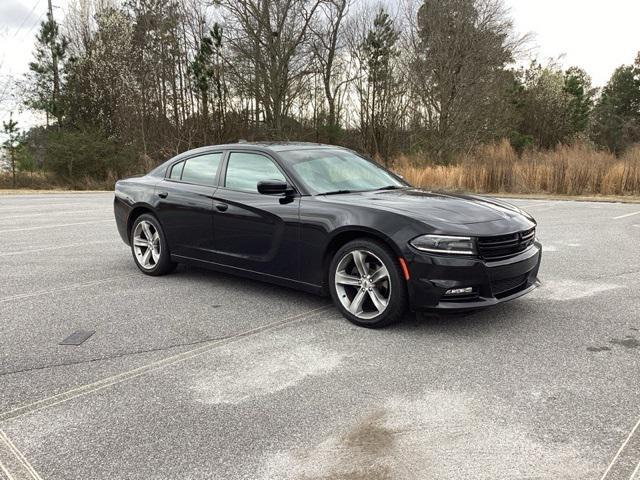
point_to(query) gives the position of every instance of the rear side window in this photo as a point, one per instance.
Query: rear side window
(245, 170)
(201, 169)
(176, 171)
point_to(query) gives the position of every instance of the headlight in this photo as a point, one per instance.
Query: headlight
(444, 244)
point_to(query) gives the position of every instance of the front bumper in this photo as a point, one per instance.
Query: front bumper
(493, 282)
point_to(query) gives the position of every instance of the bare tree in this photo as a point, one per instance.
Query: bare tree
(270, 39)
(329, 49)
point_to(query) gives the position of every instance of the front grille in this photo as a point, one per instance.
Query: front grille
(500, 287)
(504, 246)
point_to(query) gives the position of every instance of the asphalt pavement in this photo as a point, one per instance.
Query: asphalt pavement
(201, 375)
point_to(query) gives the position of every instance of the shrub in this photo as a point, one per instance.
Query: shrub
(79, 154)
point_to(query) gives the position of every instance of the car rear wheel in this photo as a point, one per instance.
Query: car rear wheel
(366, 284)
(149, 246)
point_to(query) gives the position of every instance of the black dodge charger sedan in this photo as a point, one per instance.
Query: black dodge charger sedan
(326, 220)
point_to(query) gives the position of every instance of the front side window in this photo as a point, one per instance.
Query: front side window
(201, 169)
(245, 170)
(333, 170)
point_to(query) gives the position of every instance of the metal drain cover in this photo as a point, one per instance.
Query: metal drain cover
(78, 337)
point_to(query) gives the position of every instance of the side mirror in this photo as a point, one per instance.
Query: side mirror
(274, 187)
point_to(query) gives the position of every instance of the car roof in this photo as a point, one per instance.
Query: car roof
(274, 146)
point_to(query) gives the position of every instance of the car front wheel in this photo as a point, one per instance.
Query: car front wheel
(366, 284)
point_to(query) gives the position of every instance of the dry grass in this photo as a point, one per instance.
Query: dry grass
(569, 170)
(577, 169)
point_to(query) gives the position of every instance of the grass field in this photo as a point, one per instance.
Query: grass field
(574, 170)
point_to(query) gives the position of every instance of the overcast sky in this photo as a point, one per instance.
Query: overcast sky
(598, 36)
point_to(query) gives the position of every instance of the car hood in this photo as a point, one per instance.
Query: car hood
(437, 208)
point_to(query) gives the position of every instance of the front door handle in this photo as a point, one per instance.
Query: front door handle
(222, 207)
(163, 194)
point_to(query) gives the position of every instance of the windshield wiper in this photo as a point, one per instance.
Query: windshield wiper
(390, 187)
(335, 192)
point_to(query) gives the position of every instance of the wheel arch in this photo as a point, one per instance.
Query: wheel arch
(136, 211)
(345, 235)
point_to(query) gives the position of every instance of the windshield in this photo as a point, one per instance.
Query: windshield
(326, 171)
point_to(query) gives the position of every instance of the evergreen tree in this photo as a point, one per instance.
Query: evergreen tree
(379, 50)
(578, 84)
(11, 145)
(204, 69)
(616, 122)
(45, 70)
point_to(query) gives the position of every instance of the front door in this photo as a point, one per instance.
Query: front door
(185, 205)
(253, 231)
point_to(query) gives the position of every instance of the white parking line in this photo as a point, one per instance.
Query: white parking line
(59, 247)
(18, 207)
(633, 475)
(73, 286)
(51, 213)
(54, 226)
(627, 215)
(4, 470)
(23, 469)
(624, 444)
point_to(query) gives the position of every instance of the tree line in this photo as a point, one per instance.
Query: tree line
(125, 84)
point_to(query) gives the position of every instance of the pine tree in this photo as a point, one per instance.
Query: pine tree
(11, 144)
(379, 49)
(578, 84)
(45, 70)
(204, 68)
(616, 117)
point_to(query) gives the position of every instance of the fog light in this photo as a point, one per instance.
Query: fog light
(459, 291)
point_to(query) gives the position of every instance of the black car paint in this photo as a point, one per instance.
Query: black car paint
(289, 239)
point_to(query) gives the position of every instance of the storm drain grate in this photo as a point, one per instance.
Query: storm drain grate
(77, 338)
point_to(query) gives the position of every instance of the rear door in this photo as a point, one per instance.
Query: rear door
(254, 231)
(185, 207)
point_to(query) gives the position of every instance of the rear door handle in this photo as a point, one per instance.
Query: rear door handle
(163, 194)
(222, 207)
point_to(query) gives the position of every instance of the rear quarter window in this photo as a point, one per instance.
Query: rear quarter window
(201, 170)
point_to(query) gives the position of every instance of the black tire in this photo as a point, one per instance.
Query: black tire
(164, 264)
(397, 294)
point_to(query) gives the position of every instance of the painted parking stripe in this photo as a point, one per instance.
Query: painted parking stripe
(73, 286)
(13, 463)
(54, 226)
(634, 475)
(51, 213)
(154, 366)
(612, 471)
(19, 207)
(627, 215)
(5, 473)
(59, 247)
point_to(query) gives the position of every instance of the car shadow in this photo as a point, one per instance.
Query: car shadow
(247, 285)
(499, 317)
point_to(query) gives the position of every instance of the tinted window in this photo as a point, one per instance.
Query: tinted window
(201, 169)
(176, 171)
(245, 170)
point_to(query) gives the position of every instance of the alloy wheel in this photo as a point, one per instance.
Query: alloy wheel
(146, 245)
(362, 283)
